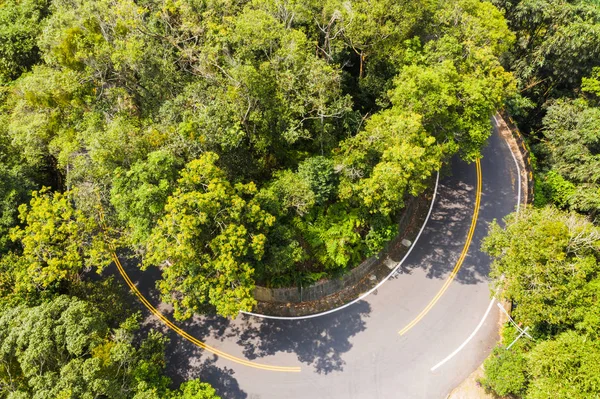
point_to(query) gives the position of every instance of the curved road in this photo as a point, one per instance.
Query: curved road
(358, 351)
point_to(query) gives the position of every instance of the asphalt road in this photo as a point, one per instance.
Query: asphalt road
(358, 352)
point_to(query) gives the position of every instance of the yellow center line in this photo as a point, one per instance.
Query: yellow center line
(460, 259)
(183, 333)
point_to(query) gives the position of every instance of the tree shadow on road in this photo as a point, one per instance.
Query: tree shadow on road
(443, 238)
(318, 342)
(186, 361)
(498, 199)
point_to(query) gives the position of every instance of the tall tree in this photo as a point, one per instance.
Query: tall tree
(59, 242)
(204, 243)
(548, 259)
(558, 42)
(20, 24)
(65, 349)
(547, 262)
(572, 140)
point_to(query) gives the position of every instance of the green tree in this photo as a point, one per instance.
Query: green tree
(334, 238)
(140, 193)
(64, 348)
(20, 24)
(58, 241)
(571, 129)
(548, 259)
(553, 188)
(558, 43)
(325, 115)
(591, 84)
(293, 192)
(195, 390)
(211, 232)
(392, 157)
(320, 174)
(15, 186)
(547, 262)
(565, 367)
(506, 372)
(457, 83)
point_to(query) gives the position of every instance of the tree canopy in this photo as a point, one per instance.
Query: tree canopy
(546, 260)
(547, 263)
(232, 143)
(65, 348)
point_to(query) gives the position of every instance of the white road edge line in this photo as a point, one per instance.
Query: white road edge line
(450, 356)
(363, 296)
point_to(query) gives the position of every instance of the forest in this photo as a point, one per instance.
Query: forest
(230, 143)
(225, 143)
(547, 259)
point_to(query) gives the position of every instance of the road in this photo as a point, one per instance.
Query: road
(358, 352)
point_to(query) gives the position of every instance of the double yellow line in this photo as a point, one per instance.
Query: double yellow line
(182, 332)
(460, 259)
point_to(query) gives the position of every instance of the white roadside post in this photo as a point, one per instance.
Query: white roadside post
(522, 331)
(520, 335)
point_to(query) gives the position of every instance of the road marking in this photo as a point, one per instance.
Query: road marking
(450, 356)
(493, 298)
(363, 296)
(460, 259)
(182, 332)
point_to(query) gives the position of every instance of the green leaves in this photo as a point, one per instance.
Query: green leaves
(573, 145)
(294, 192)
(230, 141)
(139, 194)
(565, 367)
(20, 23)
(64, 348)
(506, 372)
(204, 243)
(547, 263)
(15, 188)
(548, 258)
(59, 242)
(557, 44)
(391, 158)
(195, 390)
(455, 94)
(320, 174)
(592, 84)
(44, 348)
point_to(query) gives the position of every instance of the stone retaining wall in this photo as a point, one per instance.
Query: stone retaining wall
(528, 183)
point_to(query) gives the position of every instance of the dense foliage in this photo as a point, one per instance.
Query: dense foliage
(547, 263)
(558, 43)
(556, 60)
(547, 259)
(229, 142)
(83, 343)
(65, 348)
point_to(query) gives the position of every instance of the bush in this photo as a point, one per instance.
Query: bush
(505, 372)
